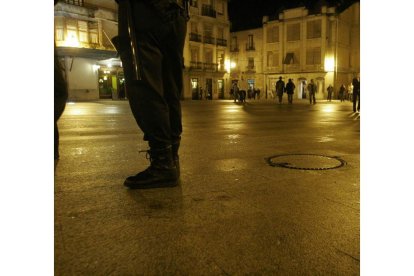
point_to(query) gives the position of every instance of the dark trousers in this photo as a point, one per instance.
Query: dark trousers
(155, 99)
(312, 97)
(329, 96)
(280, 97)
(290, 98)
(60, 97)
(355, 98)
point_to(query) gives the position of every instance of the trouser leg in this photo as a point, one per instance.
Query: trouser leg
(60, 98)
(354, 101)
(359, 101)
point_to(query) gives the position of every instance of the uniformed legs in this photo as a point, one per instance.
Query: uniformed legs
(155, 99)
(60, 97)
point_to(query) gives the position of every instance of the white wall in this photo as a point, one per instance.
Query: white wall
(82, 79)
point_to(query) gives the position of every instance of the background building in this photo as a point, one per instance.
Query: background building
(82, 35)
(301, 44)
(246, 50)
(321, 43)
(83, 30)
(206, 50)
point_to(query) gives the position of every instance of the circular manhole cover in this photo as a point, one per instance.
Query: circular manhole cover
(306, 161)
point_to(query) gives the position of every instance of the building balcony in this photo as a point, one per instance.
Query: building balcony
(196, 65)
(293, 67)
(208, 10)
(221, 42)
(250, 69)
(250, 47)
(221, 68)
(314, 67)
(234, 49)
(211, 67)
(208, 39)
(195, 37)
(74, 2)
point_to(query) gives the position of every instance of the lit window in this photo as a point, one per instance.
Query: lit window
(83, 31)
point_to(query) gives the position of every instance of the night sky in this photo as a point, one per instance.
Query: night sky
(247, 14)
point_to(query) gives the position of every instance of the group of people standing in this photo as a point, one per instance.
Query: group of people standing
(355, 88)
(289, 89)
(312, 88)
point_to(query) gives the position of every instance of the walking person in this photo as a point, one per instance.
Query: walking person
(150, 42)
(342, 92)
(235, 92)
(201, 93)
(312, 91)
(355, 94)
(280, 88)
(330, 90)
(290, 88)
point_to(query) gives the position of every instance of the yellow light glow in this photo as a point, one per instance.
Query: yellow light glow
(71, 39)
(329, 64)
(328, 109)
(228, 65)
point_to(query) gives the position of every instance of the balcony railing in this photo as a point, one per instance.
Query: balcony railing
(221, 42)
(195, 37)
(234, 48)
(210, 66)
(250, 68)
(292, 67)
(208, 39)
(74, 2)
(196, 65)
(221, 67)
(250, 47)
(208, 10)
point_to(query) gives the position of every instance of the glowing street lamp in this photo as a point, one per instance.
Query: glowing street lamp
(228, 65)
(329, 63)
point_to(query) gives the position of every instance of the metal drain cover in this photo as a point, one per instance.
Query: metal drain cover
(306, 161)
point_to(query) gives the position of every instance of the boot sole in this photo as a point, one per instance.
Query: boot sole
(161, 184)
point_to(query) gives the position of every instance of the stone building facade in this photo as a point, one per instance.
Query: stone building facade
(296, 43)
(299, 45)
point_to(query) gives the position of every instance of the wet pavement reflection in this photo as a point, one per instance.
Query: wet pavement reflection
(232, 214)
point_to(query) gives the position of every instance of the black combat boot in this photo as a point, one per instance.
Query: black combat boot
(161, 173)
(176, 159)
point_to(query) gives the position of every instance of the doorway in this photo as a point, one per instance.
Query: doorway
(209, 89)
(220, 88)
(302, 89)
(195, 90)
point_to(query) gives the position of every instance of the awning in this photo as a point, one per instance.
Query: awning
(288, 59)
(86, 53)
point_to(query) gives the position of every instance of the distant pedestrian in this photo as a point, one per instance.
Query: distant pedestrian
(342, 92)
(257, 94)
(280, 88)
(200, 96)
(312, 91)
(235, 92)
(303, 90)
(356, 94)
(349, 92)
(290, 88)
(330, 90)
